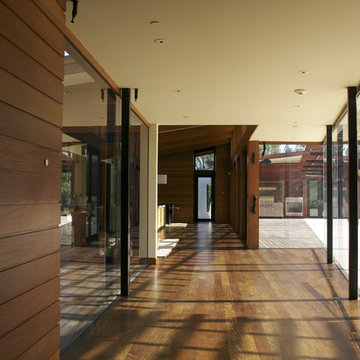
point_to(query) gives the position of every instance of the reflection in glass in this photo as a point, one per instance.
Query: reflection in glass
(291, 195)
(90, 200)
(340, 195)
(205, 160)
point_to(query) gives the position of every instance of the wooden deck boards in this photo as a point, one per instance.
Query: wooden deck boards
(212, 299)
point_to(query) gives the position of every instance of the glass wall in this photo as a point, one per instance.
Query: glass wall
(291, 195)
(340, 194)
(137, 131)
(91, 197)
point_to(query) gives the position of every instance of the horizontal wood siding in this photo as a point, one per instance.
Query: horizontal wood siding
(179, 189)
(31, 95)
(17, 250)
(45, 348)
(20, 125)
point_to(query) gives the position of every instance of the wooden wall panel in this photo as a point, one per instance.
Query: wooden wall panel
(29, 158)
(45, 348)
(31, 94)
(222, 185)
(21, 249)
(54, 13)
(18, 32)
(42, 25)
(28, 276)
(17, 219)
(62, 3)
(15, 92)
(20, 339)
(179, 189)
(15, 312)
(28, 188)
(253, 190)
(22, 126)
(27, 69)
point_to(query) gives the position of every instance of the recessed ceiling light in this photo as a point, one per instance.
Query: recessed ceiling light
(185, 117)
(304, 72)
(301, 91)
(160, 41)
(154, 22)
(178, 90)
(298, 106)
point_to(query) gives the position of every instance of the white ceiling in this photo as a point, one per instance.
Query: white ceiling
(235, 61)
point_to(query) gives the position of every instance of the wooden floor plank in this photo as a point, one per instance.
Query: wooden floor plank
(213, 299)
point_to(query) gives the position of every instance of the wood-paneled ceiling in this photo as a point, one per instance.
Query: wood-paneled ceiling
(229, 62)
(175, 139)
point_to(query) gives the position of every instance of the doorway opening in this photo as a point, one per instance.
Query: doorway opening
(204, 185)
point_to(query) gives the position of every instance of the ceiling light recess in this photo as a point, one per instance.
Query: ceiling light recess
(301, 91)
(304, 72)
(160, 41)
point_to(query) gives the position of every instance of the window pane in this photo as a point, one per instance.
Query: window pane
(205, 161)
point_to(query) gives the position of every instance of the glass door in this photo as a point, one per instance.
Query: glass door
(315, 199)
(205, 198)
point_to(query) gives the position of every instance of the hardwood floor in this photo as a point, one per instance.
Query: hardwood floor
(212, 299)
(88, 283)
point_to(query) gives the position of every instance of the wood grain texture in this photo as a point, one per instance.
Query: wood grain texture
(55, 13)
(18, 219)
(62, 4)
(22, 249)
(19, 33)
(27, 69)
(253, 190)
(28, 158)
(55, 355)
(213, 299)
(45, 348)
(22, 308)
(41, 270)
(22, 126)
(23, 337)
(31, 95)
(222, 181)
(39, 23)
(25, 188)
(179, 189)
(50, 110)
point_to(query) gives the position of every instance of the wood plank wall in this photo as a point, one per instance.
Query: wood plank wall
(31, 94)
(179, 189)
(222, 185)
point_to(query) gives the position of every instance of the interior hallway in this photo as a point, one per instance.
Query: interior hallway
(212, 299)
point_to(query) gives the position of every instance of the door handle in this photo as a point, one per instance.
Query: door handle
(254, 204)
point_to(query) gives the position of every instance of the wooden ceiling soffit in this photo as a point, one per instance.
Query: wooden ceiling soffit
(180, 148)
(242, 136)
(209, 138)
(194, 132)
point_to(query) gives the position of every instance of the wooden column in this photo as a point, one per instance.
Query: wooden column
(253, 195)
